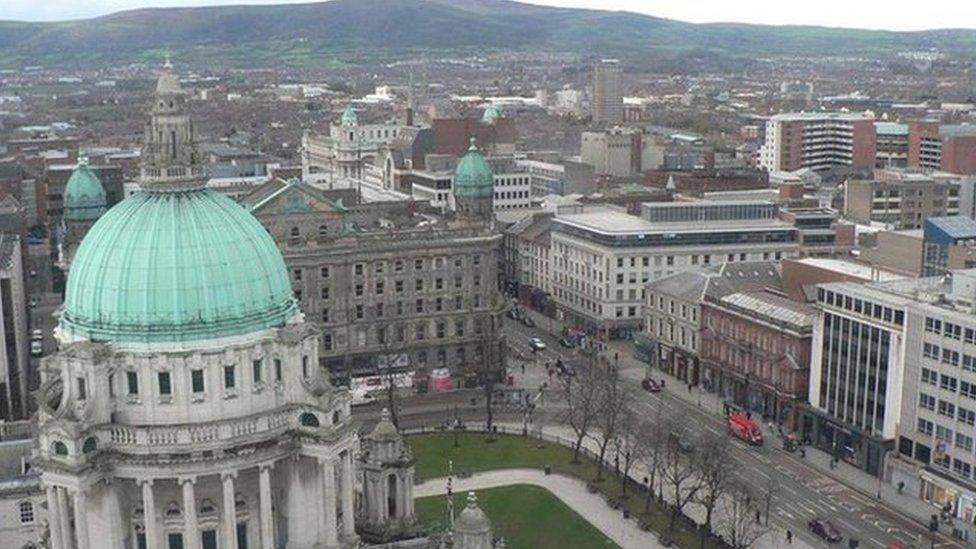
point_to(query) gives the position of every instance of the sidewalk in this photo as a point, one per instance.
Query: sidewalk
(571, 491)
(844, 473)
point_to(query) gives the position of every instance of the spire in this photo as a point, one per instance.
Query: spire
(167, 64)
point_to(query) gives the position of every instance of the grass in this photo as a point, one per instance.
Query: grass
(528, 517)
(475, 453)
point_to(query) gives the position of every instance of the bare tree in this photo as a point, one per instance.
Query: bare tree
(389, 375)
(770, 489)
(631, 446)
(610, 409)
(679, 469)
(738, 526)
(581, 396)
(716, 471)
(651, 439)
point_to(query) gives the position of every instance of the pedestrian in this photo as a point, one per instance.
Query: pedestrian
(662, 382)
(689, 387)
(523, 369)
(758, 516)
(789, 537)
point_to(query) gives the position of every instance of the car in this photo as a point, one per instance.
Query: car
(37, 334)
(683, 444)
(527, 320)
(536, 344)
(512, 313)
(565, 368)
(825, 530)
(36, 348)
(363, 399)
(566, 342)
(651, 386)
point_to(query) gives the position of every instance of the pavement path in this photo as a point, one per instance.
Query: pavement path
(571, 491)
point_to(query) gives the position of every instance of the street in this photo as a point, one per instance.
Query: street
(802, 491)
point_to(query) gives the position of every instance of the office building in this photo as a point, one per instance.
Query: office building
(602, 259)
(892, 147)
(900, 199)
(819, 141)
(608, 99)
(950, 148)
(948, 243)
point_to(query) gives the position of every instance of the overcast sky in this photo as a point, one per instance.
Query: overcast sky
(876, 14)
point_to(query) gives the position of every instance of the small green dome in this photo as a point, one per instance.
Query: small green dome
(176, 266)
(490, 115)
(473, 177)
(349, 117)
(84, 196)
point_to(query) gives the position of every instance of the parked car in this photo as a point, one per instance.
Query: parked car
(536, 344)
(651, 386)
(825, 530)
(684, 445)
(36, 348)
(566, 342)
(527, 320)
(37, 334)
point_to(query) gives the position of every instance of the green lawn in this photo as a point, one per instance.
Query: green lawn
(475, 453)
(528, 517)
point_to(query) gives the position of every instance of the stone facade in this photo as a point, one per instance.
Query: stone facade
(388, 288)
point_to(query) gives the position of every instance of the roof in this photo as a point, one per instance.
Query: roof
(619, 223)
(473, 177)
(173, 267)
(84, 195)
(958, 130)
(771, 307)
(737, 277)
(851, 268)
(815, 116)
(947, 230)
(349, 117)
(890, 128)
(686, 285)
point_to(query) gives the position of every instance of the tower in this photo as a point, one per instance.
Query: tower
(474, 186)
(608, 102)
(472, 529)
(84, 203)
(387, 506)
(186, 407)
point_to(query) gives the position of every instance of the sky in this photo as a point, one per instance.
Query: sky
(872, 14)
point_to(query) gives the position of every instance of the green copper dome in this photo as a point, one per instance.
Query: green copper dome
(176, 266)
(490, 115)
(84, 196)
(473, 177)
(349, 117)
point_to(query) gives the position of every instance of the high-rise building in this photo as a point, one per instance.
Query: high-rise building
(13, 330)
(819, 141)
(950, 148)
(185, 407)
(608, 99)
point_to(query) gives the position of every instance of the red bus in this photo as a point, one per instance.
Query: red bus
(744, 428)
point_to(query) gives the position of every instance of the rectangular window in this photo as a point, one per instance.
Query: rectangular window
(966, 416)
(196, 380)
(418, 264)
(419, 285)
(82, 389)
(358, 269)
(230, 378)
(132, 383)
(256, 367)
(165, 389)
(948, 383)
(947, 409)
(277, 368)
(324, 272)
(305, 364)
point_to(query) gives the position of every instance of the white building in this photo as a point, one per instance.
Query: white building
(186, 406)
(601, 260)
(348, 148)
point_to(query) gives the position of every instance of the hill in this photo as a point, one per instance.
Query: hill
(319, 33)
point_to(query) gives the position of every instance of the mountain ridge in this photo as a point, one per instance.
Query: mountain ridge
(313, 33)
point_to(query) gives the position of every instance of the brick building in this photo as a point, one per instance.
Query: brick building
(950, 148)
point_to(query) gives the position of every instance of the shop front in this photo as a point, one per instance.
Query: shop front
(845, 442)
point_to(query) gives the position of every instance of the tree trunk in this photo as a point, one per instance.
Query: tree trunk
(707, 527)
(576, 447)
(489, 390)
(603, 451)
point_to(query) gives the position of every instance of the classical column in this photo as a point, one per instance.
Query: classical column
(67, 536)
(149, 515)
(348, 497)
(329, 489)
(229, 516)
(54, 522)
(81, 518)
(191, 530)
(267, 516)
(408, 491)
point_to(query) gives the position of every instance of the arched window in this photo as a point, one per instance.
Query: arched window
(26, 509)
(207, 507)
(173, 509)
(391, 496)
(59, 448)
(295, 233)
(335, 417)
(91, 444)
(308, 420)
(323, 230)
(239, 501)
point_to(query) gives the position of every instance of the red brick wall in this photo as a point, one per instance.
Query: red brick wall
(796, 275)
(453, 135)
(865, 144)
(959, 155)
(915, 132)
